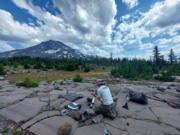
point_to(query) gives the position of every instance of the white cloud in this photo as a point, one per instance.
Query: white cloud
(130, 3)
(126, 17)
(155, 23)
(11, 30)
(163, 14)
(172, 40)
(5, 47)
(80, 22)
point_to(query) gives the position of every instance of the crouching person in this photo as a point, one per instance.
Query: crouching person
(107, 106)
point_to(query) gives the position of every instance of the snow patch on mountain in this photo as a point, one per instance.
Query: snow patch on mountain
(52, 51)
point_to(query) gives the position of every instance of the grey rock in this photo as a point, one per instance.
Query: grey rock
(168, 115)
(1, 78)
(143, 127)
(40, 117)
(160, 88)
(56, 87)
(22, 110)
(65, 129)
(178, 89)
(50, 126)
(76, 115)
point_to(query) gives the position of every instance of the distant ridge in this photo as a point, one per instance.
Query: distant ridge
(49, 49)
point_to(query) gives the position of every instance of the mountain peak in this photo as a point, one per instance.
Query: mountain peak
(47, 49)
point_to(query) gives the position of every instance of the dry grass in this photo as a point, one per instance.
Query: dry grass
(53, 75)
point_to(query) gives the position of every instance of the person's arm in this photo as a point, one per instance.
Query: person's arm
(96, 96)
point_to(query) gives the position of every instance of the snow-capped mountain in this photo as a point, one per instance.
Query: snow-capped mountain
(48, 49)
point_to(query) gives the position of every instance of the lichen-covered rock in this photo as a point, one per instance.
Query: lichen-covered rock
(65, 129)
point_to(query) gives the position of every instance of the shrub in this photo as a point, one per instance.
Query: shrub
(70, 67)
(148, 77)
(5, 130)
(87, 69)
(178, 80)
(29, 83)
(15, 66)
(26, 66)
(49, 81)
(78, 78)
(38, 66)
(115, 73)
(18, 132)
(2, 70)
(165, 77)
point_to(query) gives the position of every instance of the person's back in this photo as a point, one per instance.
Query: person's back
(105, 94)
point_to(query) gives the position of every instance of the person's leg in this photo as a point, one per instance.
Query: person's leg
(111, 111)
(100, 109)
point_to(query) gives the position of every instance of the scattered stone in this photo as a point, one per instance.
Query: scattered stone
(117, 79)
(12, 72)
(56, 87)
(59, 81)
(172, 85)
(178, 89)
(76, 115)
(160, 88)
(65, 129)
(1, 78)
(168, 87)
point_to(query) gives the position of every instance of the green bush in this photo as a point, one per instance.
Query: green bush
(26, 66)
(2, 70)
(29, 83)
(15, 66)
(148, 77)
(87, 69)
(178, 80)
(5, 130)
(17, 132)
(78, 78)
(165, 77)
(38, 66)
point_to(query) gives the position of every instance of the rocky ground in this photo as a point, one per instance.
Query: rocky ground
(31, 111)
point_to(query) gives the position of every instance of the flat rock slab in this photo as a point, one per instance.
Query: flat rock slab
(90, 130)
(40, 117)
(168, 115)
(5, 100)
(50, 126)
(140, 127)
(22, 110)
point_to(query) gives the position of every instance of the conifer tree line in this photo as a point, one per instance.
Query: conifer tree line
(158, 67)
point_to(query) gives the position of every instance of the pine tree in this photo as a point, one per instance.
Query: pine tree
(172, 57)
(156, 55)
(2, 70)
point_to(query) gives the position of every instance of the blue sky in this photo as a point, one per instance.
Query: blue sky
(127, 28)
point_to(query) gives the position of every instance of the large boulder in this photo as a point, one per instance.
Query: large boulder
(65, 129)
